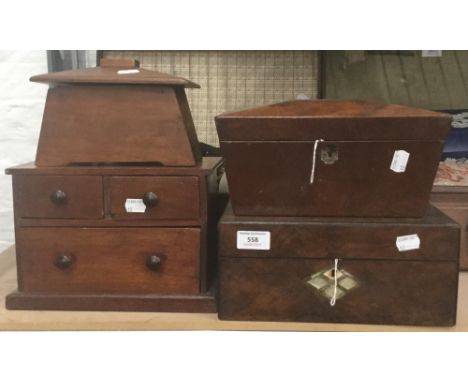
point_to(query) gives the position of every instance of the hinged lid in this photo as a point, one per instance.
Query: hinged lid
(332, 120)
(435, 236)
(114, 71)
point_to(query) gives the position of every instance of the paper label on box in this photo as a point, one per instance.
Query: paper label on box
(135, 205)
(408, 242)
(254, 240)
(399, 161)
(128, 71)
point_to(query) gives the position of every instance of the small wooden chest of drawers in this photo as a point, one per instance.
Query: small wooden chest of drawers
(79, 247)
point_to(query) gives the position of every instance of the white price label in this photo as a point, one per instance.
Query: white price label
(135, 205)
(128, 71)
(399, 161)
(255, 240)
(408, 242)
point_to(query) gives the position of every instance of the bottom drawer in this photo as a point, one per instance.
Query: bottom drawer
(374, 292)
(108, 260)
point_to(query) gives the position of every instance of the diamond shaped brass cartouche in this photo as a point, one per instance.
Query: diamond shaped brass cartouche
(324, 282)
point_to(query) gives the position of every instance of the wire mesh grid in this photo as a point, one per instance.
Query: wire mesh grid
(233, 80)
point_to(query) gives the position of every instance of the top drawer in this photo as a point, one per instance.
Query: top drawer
(60, 197)
(159, 197)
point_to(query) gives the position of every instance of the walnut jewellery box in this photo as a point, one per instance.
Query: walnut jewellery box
(290, 274)
(117, 213)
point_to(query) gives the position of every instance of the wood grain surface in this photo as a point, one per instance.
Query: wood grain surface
(159, 260)
(83, 197)
(273, 178)
(345, 238)
(178, 198)
(60, 320)
(205, 167)
(390, 292)
(453, 201)
(333, 120)
(384, 285)
(109, 75)
(144, 123)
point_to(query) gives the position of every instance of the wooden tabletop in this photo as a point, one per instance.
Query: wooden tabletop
(51, 320)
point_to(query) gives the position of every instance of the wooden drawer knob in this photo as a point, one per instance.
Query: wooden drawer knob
(63, 262)
(150, 199)
(58, 197)
(153, 262)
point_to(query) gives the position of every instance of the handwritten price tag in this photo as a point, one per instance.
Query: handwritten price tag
(408, 242)
(135, 205)
(399, 161)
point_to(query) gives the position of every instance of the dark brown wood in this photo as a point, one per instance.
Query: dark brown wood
(201, 303)
(56, 196)
(206, 171)
(107, 222)
(273, 178)
(391, 292)
(414, 287)
(178, 198)
(453, 201)
(114, 212)
(205, 167)
(110, 75)
(332, 120)
(117, 256)
(144, 124)
(103, 260)
(270, 157)
(352, 238)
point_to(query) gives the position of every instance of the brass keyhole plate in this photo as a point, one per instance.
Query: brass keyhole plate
(329, 154)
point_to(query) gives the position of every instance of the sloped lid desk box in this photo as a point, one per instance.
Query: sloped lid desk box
(339, 270)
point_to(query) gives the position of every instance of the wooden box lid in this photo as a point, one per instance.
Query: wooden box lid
(113, 71)
(332, 120)
(117, 114)
(331, 158)
(435, 236)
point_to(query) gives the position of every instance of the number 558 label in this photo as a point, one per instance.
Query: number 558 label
(255, 240)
